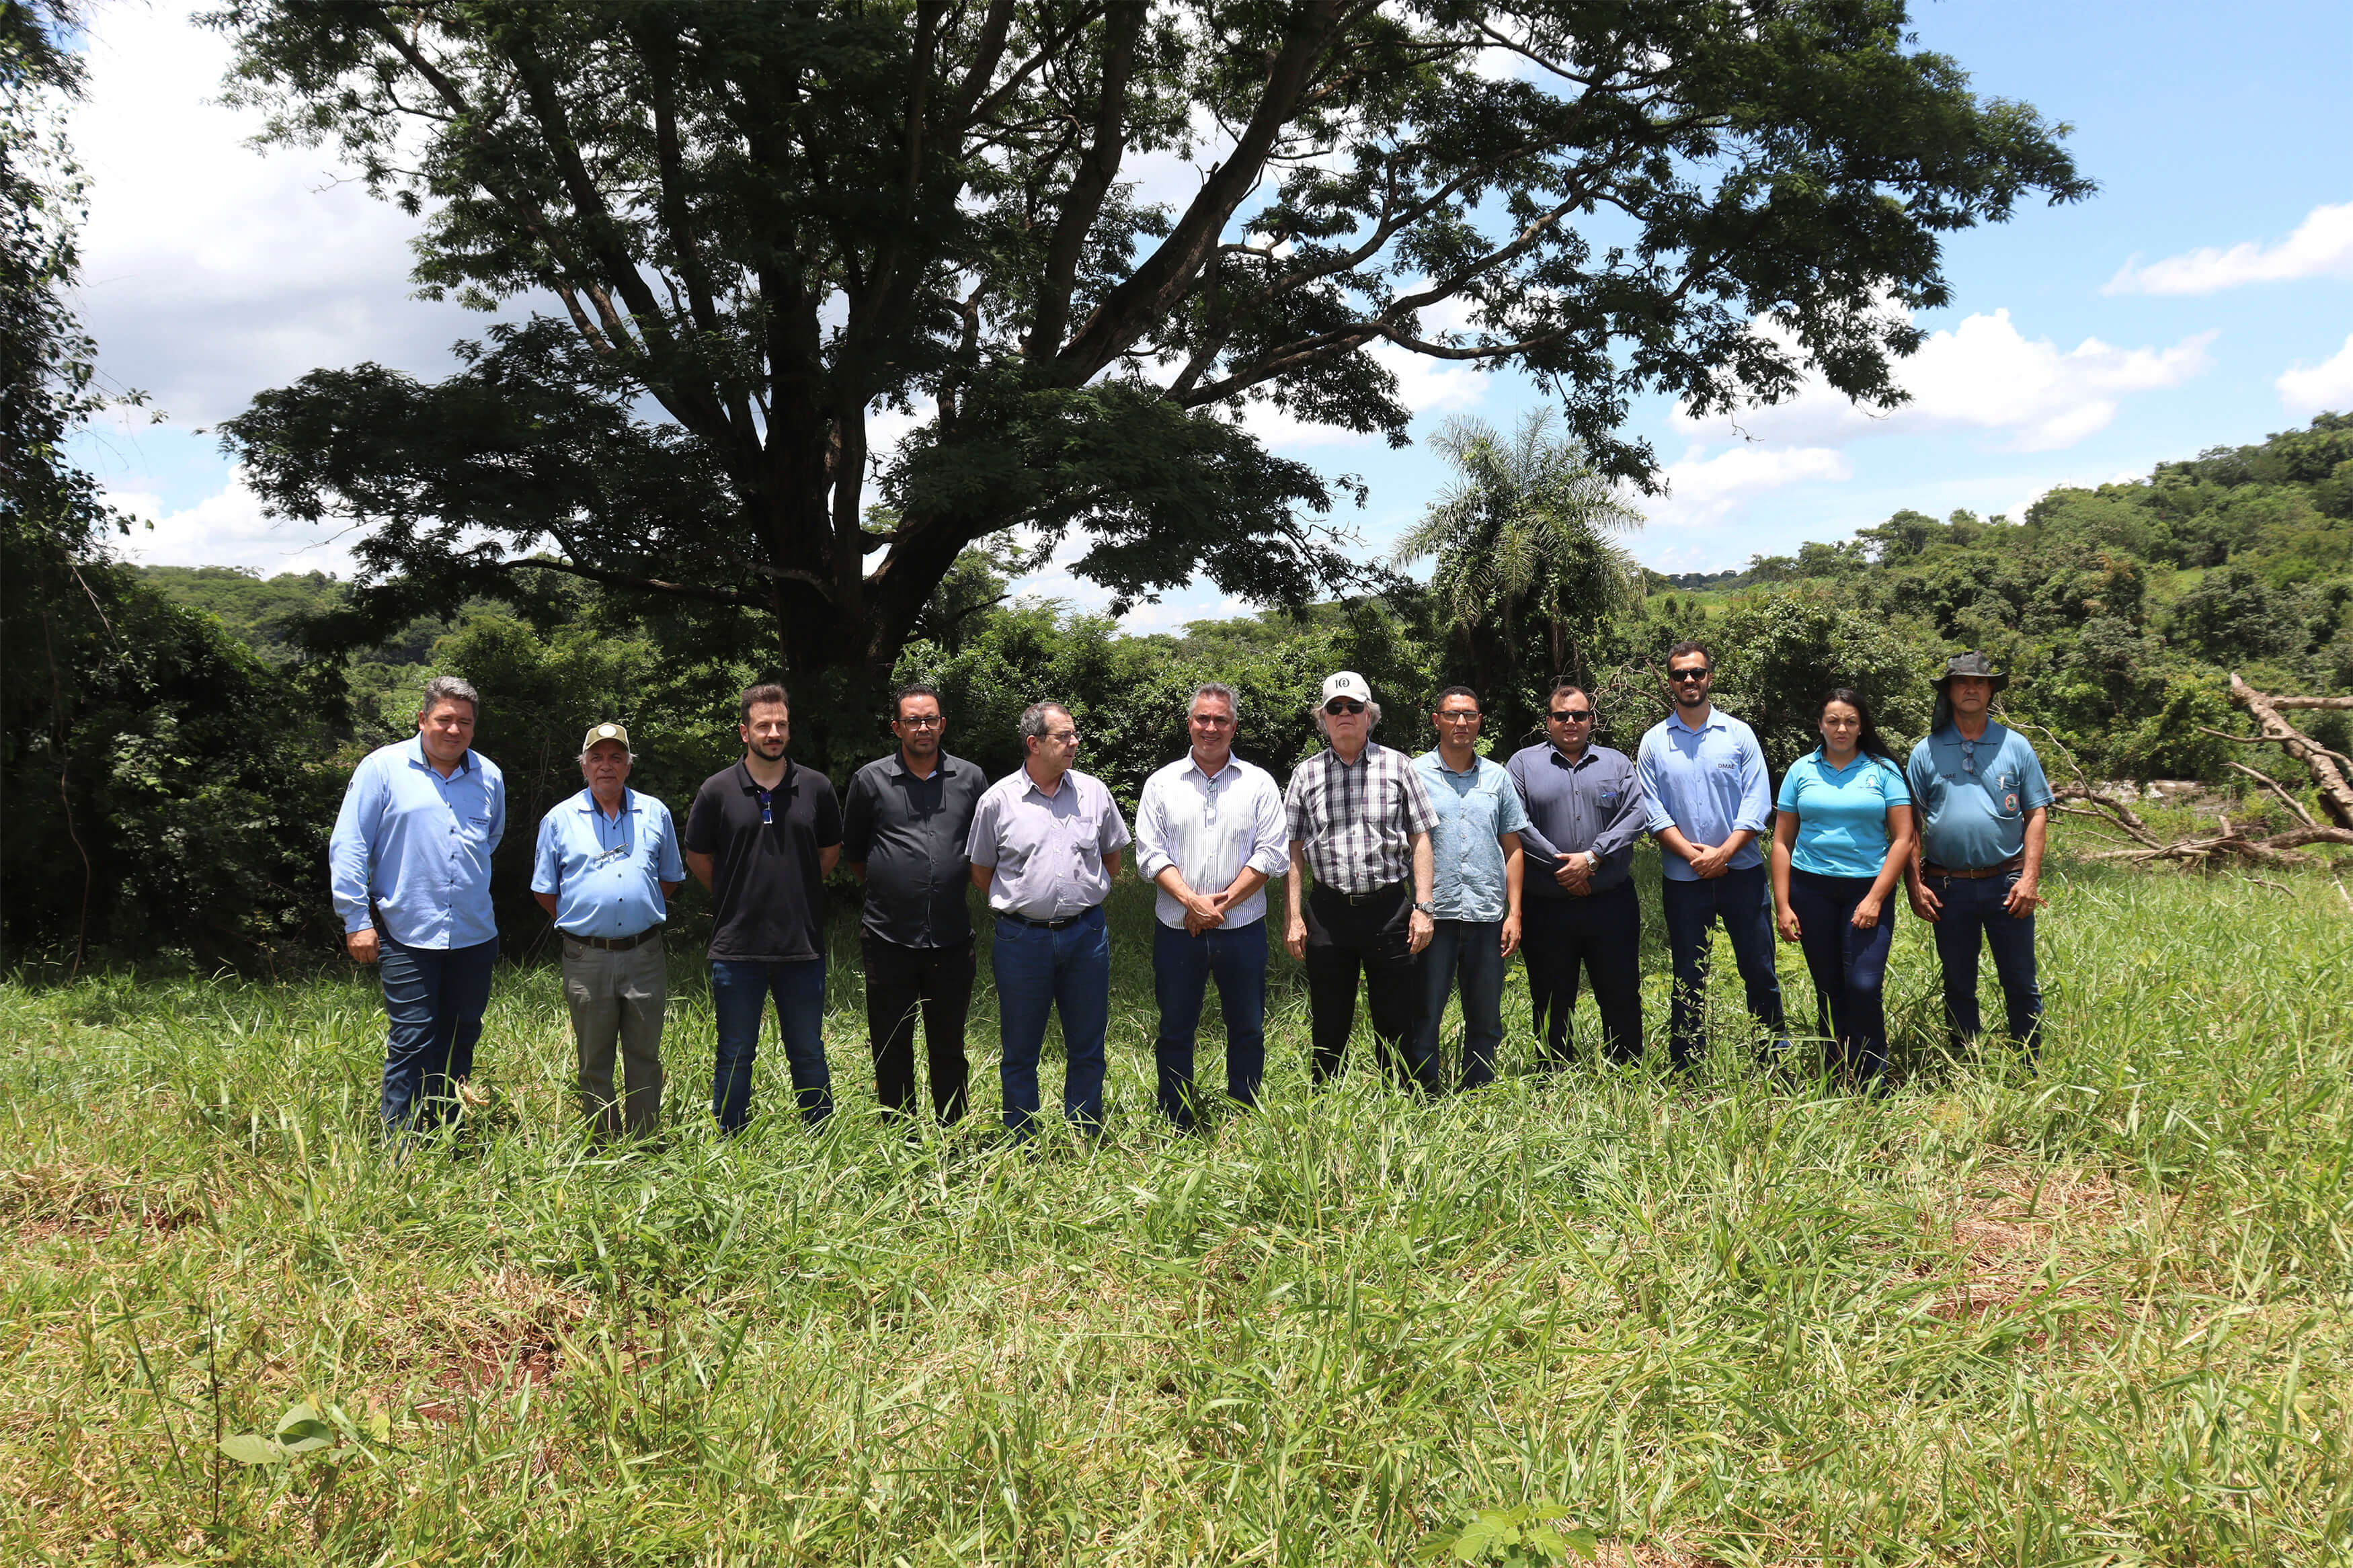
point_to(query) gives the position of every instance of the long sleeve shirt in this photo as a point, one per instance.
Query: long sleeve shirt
(1209, 830)
(1707, 783)
(1594, 803)
(416, 847)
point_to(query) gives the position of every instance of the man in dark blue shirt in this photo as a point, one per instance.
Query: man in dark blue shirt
(1585, 812)
(904, 828)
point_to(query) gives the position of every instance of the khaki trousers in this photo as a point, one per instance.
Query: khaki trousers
(618, 998)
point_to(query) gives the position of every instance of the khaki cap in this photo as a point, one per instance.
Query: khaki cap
(606, 732)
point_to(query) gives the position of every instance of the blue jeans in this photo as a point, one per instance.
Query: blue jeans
(1470, 950)
(1972, 909)
(1743, 901)
(1181, 968)
(1037, 971)
(740, 989)
(1849, 967)
(434, 997)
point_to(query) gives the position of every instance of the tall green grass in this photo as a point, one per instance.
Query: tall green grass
(2093, 1314)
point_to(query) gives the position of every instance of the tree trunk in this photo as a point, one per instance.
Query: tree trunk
(2336, 794)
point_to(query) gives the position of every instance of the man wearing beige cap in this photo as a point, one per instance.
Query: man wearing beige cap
(1359, 817)
(607, 864)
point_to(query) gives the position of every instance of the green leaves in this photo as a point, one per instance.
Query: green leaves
(309, 1427)
(1530, 1535)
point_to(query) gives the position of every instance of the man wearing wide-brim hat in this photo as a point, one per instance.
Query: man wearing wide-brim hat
(1984, 810)
(607, 863)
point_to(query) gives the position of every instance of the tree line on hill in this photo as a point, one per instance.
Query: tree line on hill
(207, 755)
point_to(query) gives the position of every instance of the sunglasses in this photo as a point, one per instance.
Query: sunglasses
(1344, 705)
(1571, 715)
(1678, 676)
(1459, 718)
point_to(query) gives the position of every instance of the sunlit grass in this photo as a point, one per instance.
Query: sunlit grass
(2096, 1314)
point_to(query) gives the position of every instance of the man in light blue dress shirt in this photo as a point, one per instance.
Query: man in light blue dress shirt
(409, 865)
(1705, 785)
(1475, 864)
(604, 870)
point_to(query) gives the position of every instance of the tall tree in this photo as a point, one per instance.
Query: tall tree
(1529, 565)
(1070, 241)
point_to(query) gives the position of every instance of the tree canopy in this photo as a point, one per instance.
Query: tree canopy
(1068, 242)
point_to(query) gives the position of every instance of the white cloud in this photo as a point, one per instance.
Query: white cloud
(228, 528)
(2321, 246)
(1703, 490)
(1983, 375)
(2328, 384)
(211, 271)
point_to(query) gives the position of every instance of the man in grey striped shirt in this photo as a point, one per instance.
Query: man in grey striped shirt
(1359, 818)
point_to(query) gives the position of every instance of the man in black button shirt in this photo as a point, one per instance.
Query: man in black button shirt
(903, 829)
(763, 835)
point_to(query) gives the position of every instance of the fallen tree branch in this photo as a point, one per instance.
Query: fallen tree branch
(2336, 794)
(2278, 789)
(2339, 702)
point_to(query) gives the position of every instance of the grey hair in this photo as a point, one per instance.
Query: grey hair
(627, 755)
(450, 689)
(1214, 688)
(1371, 718)
(1033, 719)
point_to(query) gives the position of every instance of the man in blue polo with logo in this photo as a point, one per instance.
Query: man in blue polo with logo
(605, 866)
(409, 865)
(1704, 788)
(1984, 810)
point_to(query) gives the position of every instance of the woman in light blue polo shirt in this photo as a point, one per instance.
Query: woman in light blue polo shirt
(1842, 837)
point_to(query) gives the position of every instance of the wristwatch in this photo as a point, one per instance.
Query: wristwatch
(1426, 906)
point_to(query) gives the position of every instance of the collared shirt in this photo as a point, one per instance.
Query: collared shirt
(1210, 828)
(1357, 820)
(1973, 796)
(606, 872)
(1841, 813)
(1595, 803)
(911, 834)
(1708, 782)
(768, 893)
(1474, 808)
(418, 846)
(1049, 851)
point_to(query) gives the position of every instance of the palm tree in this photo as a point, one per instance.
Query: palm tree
(1528, 531)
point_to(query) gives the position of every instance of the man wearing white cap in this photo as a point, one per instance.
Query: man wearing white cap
(608, 862)
(1359, 818)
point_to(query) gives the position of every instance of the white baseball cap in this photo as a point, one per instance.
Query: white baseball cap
(1347, 683)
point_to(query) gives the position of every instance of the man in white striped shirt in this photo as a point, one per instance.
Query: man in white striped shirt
(1359, 817)
(1209, 830)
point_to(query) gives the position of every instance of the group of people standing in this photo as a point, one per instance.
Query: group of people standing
(1407, 879)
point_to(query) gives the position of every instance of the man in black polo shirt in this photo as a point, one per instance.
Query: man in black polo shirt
(762, 836)
(903, 829)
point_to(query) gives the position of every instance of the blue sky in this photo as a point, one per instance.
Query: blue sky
(2204, 297)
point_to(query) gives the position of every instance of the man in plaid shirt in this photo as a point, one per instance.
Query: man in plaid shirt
(1359, 818)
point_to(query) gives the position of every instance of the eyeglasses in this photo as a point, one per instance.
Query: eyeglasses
(1571, 715)
(767, 817)
(1459, 718)
(1344, 705)
(1212, 720)
(1677, 677)
(921, 722)
(1968, 756)
(1067, 738)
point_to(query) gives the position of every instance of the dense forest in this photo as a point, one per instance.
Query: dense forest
(204, 746)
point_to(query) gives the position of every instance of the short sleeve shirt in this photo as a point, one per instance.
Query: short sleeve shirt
(1466, 856)
(1357, 821)
(1049, 851)
(606, 872)
(764, 876)
(909, 834)
(1973, 796)
(1841, 813)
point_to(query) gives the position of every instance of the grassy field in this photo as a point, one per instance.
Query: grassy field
(2096, 1315)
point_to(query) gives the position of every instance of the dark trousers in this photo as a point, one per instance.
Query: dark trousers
(1469, 953)
(1039, 971)
(740, 990)
(1849, 968)
(1182, 966)
(1374, 939)
(1744, 902)
(1972, 911)
(434, 997)
(900, 981)
(1600, 933)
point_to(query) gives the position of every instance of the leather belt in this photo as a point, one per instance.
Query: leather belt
(1063, 924)
(1975, 873)
(1360, 899)
(614, 943)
